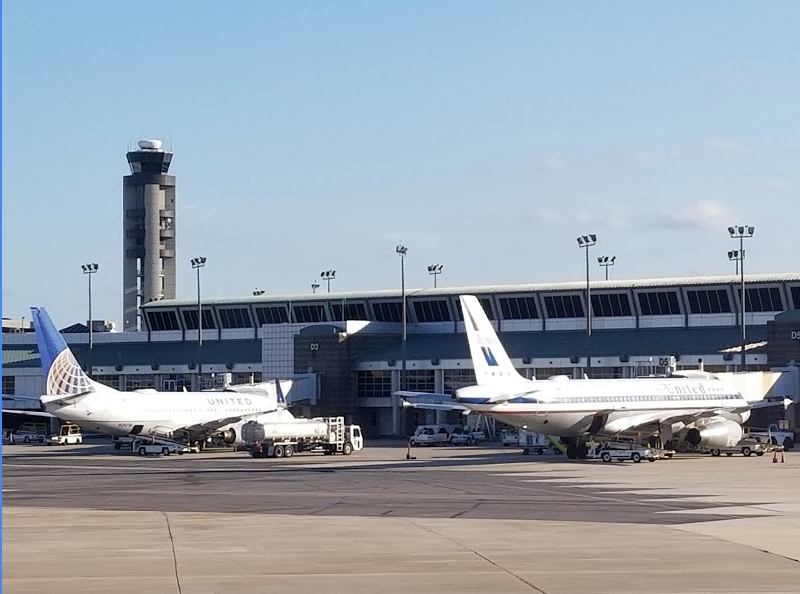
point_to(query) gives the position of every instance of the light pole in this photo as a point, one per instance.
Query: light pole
(585, 242)
(314, 286)
(605, 262)
(741, 233)
(401, 251)
(733, 256)
(435, 270)
(197, 264)
(328, 275)
(89, 270)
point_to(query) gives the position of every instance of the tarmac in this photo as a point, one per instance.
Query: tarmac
(456, 519)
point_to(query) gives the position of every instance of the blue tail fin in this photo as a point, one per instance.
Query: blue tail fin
(61, 371)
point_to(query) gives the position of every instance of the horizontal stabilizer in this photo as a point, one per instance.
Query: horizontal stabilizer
(63, 399)
(29, 413)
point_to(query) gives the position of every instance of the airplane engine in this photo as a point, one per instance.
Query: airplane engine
(229, 436)
(715, 433)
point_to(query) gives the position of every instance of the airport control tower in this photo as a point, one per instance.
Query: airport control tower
(148, 222)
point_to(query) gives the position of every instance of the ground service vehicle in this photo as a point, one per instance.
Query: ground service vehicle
(120, 441)
(143, 448)
(509, 438)
(746, 447)
(31, 432)
(624, 450)
(281, 440)
(533, 442)
(775, 436)
(67, 434)
(462, 439)
(432, 435)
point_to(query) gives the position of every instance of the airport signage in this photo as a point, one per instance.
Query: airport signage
(314, 346)
(795, 334)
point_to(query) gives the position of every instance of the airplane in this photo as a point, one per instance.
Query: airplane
(190, 417)
(709, 411)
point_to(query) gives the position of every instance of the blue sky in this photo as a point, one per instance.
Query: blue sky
(318, 135)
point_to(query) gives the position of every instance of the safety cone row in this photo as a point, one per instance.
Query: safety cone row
(775, 457)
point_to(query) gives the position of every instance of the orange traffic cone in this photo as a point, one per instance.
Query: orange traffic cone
(775, 457)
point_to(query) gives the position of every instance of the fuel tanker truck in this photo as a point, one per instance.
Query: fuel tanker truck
(283, 434)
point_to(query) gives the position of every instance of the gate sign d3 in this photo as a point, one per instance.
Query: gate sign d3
(314, 346)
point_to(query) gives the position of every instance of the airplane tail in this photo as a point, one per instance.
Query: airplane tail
(63, 375)
(489, 358)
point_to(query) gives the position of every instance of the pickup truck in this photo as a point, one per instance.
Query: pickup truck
(774, 436)
(623, 450)
(746, 447)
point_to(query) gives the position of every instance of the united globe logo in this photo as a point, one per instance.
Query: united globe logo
(66, 378)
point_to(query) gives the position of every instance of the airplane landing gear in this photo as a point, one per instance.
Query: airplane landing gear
(577, 448)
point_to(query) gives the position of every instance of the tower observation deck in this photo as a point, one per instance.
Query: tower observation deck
(148, 222)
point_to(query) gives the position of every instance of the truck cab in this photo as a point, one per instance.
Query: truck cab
(355, 437)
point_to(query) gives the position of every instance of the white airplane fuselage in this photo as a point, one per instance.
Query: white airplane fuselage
(148, 412)
(568, 407)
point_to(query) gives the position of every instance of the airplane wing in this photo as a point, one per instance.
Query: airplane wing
(215, 424)
(430, 401)
(434, 406)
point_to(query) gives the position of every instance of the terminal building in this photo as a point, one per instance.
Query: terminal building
(347, 352)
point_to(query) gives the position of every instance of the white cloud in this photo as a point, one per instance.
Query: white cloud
(613, 216)
(643, 158)
(778, 185)
(702, 214)
(554, 163)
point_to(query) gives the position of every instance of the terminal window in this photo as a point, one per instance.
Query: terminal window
(352, 311)
(659, 303)
(432, 311)
(374, 384)
(796, 297)
(708, 301)
(190, 319)
(9, 384)
(519, 308)
(388, 311)
(272, 315)
(563, 306)
(306, 314)
(611, 304)
(420, 380)
(458, 378)
(486, 303)
(762, 299)
(237, 317)
(163, 320)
